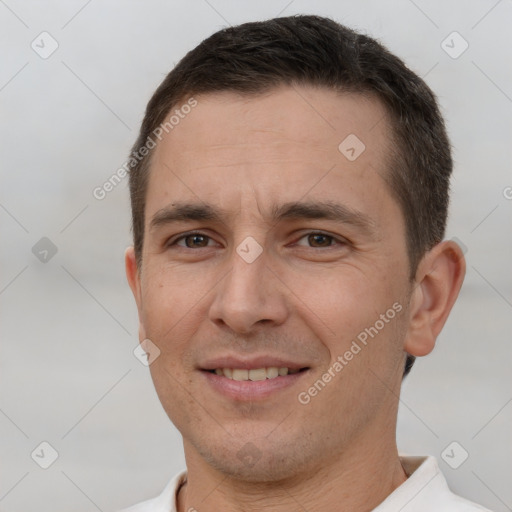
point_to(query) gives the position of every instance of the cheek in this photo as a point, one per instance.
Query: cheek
(340, 303)
(171, 304)
(171, 387)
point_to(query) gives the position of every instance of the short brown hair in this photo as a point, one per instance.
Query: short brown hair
(255, 57)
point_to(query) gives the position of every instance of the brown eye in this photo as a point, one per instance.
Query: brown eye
(194, 240)
(319, 240)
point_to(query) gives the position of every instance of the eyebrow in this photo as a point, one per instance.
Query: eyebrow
(296, 210)
(185, 212)
(328, 210)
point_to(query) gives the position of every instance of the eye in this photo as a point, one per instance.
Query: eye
(319, 240)
(192, 241)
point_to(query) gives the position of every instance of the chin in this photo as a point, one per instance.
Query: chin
(257, 461)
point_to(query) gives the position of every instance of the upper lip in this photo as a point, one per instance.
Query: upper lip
(250, 363)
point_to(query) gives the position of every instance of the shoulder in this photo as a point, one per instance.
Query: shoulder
(165, 502)
(425, 490)
(459, 504)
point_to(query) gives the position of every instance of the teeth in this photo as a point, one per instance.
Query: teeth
(272, 372)
(240, 374)
(254, 374)
(258, 374)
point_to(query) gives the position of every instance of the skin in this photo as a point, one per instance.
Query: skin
(305, 296)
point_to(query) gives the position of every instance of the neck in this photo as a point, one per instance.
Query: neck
(358, 479)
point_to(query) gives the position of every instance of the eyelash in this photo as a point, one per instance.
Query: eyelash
(334, 239)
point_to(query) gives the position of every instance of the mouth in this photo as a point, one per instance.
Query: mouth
(244, 381)
(256, 374)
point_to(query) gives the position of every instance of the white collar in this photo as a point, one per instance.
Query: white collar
(424, 490)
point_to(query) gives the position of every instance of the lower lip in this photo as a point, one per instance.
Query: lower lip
(251, 390)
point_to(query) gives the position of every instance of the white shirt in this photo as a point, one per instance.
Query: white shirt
(425, 490)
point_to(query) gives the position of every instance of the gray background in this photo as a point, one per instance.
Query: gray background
(68, 325)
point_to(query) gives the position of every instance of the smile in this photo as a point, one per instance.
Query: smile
(255, 374)
(252, 384)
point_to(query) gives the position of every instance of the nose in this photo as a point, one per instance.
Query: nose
(249, 296)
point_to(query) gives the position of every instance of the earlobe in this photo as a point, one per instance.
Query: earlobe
(438, 281)
(133, 277)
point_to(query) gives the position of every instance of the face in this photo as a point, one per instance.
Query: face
(274, 254)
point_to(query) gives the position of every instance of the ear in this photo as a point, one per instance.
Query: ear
(438, 281)
(133, 277)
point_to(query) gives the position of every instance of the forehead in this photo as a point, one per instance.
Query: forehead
(273, 148)
(306, 115)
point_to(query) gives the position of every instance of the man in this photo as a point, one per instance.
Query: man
(289, 197)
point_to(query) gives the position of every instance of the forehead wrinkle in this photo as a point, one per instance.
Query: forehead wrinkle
(294, 210)
(329, 210)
